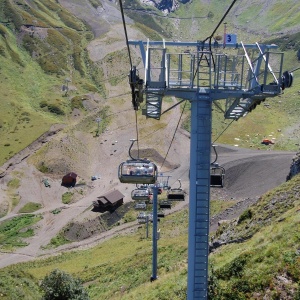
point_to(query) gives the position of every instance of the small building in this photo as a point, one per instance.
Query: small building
(69, 180)
(110, 200)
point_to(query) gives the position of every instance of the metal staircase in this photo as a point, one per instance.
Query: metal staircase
(257, 82)
(153, 106)
(155, 79)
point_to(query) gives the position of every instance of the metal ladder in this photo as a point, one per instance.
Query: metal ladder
(204, 67)
(155, 81)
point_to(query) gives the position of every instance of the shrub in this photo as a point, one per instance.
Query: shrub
(60, 285)
(247, 214)
(43, 168)
(76, 102)
(43, 104)
(214, 290)
(235, 268)
(67, 197)
(55, 109)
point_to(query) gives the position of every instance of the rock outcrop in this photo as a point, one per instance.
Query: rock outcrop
(166, 6)
(295, 167)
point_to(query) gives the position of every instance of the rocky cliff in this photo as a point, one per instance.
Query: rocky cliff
(166, 6)
(295, 167)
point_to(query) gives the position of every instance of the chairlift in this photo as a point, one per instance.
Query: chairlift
(217, 173)
(163, 181)
(160, 215)
(176, 194)
(166, 187)
(140, 206)
(140, 194)
(165, 204)
(138, 171)
(142, 218)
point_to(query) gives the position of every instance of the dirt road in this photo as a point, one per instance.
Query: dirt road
(249, 174)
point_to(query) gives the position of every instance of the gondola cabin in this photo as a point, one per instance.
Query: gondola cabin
(138, 172)
(140, 194)
(175, 195)
(217, 174)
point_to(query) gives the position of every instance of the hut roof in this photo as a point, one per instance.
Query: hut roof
(72, 175)
(111, 197)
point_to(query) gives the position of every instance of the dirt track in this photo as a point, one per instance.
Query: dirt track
(249, 174)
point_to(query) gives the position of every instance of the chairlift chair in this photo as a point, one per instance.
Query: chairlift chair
(217, 173)
(166, 187)
(163, 181)
(140, 194)
(176, 194)
(165, 204)
(142, 217)
(140, 206)
(138, 171)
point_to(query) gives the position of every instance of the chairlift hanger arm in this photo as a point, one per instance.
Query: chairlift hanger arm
(129, 151)
(179, 183)
(216, 158)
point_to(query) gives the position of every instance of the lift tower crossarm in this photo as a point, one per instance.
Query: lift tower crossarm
(163, 43)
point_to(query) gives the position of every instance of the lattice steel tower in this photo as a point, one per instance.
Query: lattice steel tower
(202, 75)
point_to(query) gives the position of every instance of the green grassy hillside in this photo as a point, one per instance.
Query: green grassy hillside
(260, 257)
(42, 49)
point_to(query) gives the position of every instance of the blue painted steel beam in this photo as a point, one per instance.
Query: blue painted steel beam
(198, 240)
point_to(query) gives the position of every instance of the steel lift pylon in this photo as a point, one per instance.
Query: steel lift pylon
(202, 75)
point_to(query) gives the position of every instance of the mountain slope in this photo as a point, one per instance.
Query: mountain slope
(55, 47)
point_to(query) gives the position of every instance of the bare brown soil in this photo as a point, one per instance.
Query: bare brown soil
(250, 173)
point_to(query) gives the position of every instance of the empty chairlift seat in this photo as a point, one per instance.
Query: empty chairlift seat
(217, 174)
(138, 171)
(165, 204)
(176, 195)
